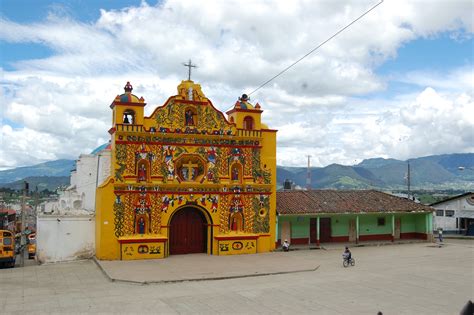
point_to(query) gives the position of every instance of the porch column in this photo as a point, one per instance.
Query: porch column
(429, 227)
(317, 231)
(357, 229)
(393, 227)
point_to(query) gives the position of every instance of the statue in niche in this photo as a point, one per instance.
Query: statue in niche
(189, 117)
(142, 211)
(141, 226)
(235, 173)
(236, 222)
(142, 173)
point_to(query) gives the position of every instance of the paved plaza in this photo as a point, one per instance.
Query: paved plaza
(417, 278)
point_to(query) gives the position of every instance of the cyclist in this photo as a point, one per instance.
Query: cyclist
(347, 254)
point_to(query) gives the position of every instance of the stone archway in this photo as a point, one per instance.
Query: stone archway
(188, 232)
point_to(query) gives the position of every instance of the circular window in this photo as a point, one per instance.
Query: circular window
(262, 212)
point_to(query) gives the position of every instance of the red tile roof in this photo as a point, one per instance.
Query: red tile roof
(343, 201)
(8, 211)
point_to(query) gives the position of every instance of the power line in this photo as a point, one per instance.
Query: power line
(317, 47)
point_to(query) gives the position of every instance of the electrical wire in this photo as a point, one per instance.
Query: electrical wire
(316, 48)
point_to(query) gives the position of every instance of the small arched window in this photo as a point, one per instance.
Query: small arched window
(248, 123)
(129, 117)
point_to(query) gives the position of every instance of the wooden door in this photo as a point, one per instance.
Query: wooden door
(188, 232)
(285, 231)
(352, 230)
(397, 228)
(325, 230)
(313, 230)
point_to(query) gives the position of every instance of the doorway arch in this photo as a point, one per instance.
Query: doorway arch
(188, 231)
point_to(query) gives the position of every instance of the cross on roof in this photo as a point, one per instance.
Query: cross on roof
(189, 65)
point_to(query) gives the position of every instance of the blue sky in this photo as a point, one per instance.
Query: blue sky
(399, 73)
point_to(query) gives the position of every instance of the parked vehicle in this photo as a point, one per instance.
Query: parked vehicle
(7, 248)
(31, 245)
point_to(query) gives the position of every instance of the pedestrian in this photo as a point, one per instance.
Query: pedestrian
(440, 235)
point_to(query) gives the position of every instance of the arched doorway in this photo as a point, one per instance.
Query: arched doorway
(188, 232)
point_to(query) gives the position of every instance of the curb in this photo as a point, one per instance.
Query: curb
(200, 279)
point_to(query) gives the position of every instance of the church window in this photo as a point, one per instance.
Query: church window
(129, 117)
(248, 123)
(77, 204)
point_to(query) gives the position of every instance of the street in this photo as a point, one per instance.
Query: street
(417, 278)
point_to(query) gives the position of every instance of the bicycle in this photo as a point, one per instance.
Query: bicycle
(347, 262)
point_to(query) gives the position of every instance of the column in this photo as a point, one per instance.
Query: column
(393, 227)
(276, 229)
(357, 229)
(317, 231)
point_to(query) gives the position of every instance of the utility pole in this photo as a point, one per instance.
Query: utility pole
(408, 180)
(308, 174)
(23, 219)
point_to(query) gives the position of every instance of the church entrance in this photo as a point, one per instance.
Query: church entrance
(188, 232)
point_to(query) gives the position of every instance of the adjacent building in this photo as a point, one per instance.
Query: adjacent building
(324, 216)
(456, 214)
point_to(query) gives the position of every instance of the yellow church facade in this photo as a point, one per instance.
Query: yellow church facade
(187, 179)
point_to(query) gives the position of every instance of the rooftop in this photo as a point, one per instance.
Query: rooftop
(343, 201)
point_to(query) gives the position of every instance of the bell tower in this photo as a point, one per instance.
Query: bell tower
(127, 109)
(245, 115)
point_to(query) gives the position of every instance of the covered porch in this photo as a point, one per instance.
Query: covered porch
(318, 217)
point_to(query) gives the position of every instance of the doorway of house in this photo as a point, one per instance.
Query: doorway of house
(188, 232)
(325, 230)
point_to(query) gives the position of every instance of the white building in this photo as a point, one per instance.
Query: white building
(66, 227)
(455, 214)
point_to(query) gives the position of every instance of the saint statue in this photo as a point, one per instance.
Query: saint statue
(189, 115)
(142, 173)
(141, 226)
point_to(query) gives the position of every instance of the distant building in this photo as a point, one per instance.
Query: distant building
(324, 216)
(7, 219)
(455, 214)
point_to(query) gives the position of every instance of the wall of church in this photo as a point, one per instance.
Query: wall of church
(65, 238)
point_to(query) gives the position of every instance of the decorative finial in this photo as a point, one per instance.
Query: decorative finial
(189, 65)
(128, 87)
(244, 98)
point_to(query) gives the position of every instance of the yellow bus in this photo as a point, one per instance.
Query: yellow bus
(7, 248)
(31, 245)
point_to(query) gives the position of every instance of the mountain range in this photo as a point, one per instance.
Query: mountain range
(447, 171)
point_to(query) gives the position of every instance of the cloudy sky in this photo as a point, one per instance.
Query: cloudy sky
(397, 84)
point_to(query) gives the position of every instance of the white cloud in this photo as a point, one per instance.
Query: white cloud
(58, 106)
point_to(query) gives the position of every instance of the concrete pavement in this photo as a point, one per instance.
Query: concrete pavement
(399, 279)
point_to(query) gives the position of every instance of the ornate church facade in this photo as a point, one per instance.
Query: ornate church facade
(187, 179)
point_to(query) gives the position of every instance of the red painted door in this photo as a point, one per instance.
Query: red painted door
(325, 232)
(313, 230)
(188, 232)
